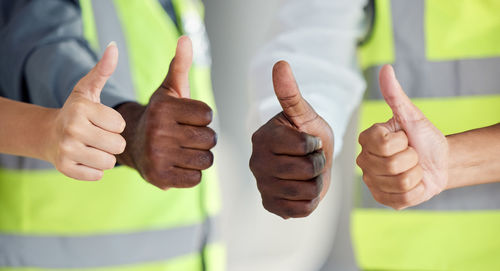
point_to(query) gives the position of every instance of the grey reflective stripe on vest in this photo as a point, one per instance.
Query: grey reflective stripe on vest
(109, 28)
(479, 197)
(101, 250)
(422, 78)
(15, 162)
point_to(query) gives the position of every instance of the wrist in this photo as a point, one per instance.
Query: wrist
(458, 174)
(132, 113)
(47, 134)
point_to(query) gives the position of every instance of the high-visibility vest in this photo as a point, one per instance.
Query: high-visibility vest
(446, 55)
(49, 221)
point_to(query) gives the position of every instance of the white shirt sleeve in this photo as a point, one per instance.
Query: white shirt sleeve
(318, 38)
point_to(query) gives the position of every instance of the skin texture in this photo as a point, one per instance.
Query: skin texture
(168, 140)
(474, 157)
(292, 153)
(407, 160)
(80, 139)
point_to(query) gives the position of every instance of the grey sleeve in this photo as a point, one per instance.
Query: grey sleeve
(43, 53)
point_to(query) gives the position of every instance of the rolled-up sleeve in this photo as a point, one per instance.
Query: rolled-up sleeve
(43, 53)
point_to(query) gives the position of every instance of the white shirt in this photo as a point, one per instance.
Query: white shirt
(318, 38)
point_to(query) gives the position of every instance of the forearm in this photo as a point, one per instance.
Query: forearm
(24, 128)
(474, 157)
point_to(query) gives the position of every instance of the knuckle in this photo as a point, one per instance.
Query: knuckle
(285, 167)
(310, 168)
(367, 135)
(256, 137)
(109, 162)
(212, 136)
(361, 137)
(192, 179)
(150, 175)
(191, 133)
(405, 200)
(204, 112)
(65, 149)
(294, 212)
(316, 164)
(79, 107)
(360, 160)
(72, 129)
(63, 166)
(156, 172)
(120, 123)
(383, 139)
(307, 143)
(156, 105)
(315, 188)
(207, 114)
(95, 175)
(251, 162)
(290, 190)
(263, 187)
(404, 183)
(153, 129)
(122, 144)
(392, 166)
(378, 197)
(420, 172)
(303, 209)
(206, 159)
(367, 180)
(256, 163)
(151, 151)
(384, 148)
(271, 206)
(413, 155)
(174, 177)
(98, 175)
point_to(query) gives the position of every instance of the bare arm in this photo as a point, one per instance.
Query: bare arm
(80, 139)
(474, 157)
(407, 160)
(24, 128)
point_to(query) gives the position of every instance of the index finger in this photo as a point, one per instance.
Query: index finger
(289, 141)
(380, 141)
(192, 112)
(106, 118)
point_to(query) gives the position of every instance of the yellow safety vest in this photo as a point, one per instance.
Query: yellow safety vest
(446, 54)
(48, 221)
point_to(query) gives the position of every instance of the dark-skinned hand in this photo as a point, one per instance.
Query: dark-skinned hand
(292, 153)
(168, 140)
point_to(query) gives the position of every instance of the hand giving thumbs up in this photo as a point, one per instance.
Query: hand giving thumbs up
(86, 134)
(168, 140)
(404, 160)
(292, 153)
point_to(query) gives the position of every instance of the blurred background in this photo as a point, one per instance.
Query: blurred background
(257, 239)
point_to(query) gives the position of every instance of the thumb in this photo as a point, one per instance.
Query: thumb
(295, 108)
(91, 84)
(177, 80)
(403, 109)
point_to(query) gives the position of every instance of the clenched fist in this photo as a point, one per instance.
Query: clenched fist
(404, 160)
(168, 141)
(292, 153)
(85, 135)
